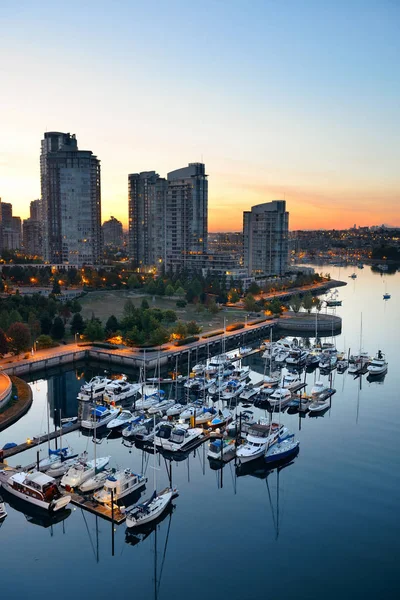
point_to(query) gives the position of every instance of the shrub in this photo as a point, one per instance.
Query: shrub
(234, 326)
(212, 334)
(188, 340)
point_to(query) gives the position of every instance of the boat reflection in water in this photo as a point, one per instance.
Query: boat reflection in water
(34, 514)
(261, 470)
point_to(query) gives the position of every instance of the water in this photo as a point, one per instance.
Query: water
(326, 526)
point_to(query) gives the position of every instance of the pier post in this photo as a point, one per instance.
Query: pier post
(112, 522)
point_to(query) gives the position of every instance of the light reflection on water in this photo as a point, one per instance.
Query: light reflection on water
(324, 526)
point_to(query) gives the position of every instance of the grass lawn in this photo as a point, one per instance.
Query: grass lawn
(111, 302)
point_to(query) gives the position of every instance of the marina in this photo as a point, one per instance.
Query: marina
(323, 476)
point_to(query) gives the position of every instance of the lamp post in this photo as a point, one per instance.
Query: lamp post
(75, 337)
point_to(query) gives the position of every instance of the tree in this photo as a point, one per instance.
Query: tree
(64, 311)
(15, 317)
(180, 292)
(212, 307)
(3, 343)
(274, 306)
(151, 288)
(250, 303)
(254, 288)
(77, 324)
(133, 282)
(180, 330)
(94, 331)
(295, 303)
(44, 341)
(76, 306)
(56, 288)
(170, 316)
(145, 305)
(193, 328)
(181, 303)
(19, 337)
(233, 296)
(317, 303)
(57, 329)
(112, 325)
(169, 290)
(45, 323)
(308, 302)
(159, 336)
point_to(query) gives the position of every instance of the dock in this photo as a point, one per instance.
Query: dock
(38, 440)
(95, 508)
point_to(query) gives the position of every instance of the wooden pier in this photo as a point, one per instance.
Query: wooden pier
(101, 510)
(37, 441)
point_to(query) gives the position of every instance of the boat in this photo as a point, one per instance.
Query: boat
(353, 276)
(100, 416)
(218, 386)
(133, 426)
(3, 512)
(175, 410)
(151, 509)
(119, 390)
(249, 392)
(69, 420)
(259, 436)
(280, 397)
(61, 467)
(221, 419)
(358, 362)
(241, 425)
(240, 373)
(148, 400)
(218, 447)
(321, 402)
(121, 483)
(312, 360)
(280, 357)
(297, 357)
(161, 407)
(282, 449)
(145, 432)
(378, 365)
(38, 489)
(95, 482)
(328, 358)
(93, 389)
(54, 457)
(207, 414)
(232, 390)
(199, 368)
(176, 438)
(290, 380)
(318, 388)
(82, 471)
(333, 300)
(244, 350)
(341, 365)
(386, 296)
(124, 418)
(191, 410)
(219, 365)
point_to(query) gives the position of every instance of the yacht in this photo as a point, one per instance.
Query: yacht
(148, 400)
(218, 447)
(240, 373)
(132, 427)
(219, 365)
(272, 379)
(145, 432)
(206, 415)
(378, 365)
(290, 380)
(175, 410)
(328, 358)
(199, 369)
(59, 468)
(342, 364)
(319, 405)
(161, 407)
(358, 362)
(218, 386)
(176, 438)
(282, 449)
(244, 350)
(280, 357)
(232, 390)
(191, 410)
(297, 357)
(37, 488)
(54, 457)
(95, 482)
(120, 389)
(124, 418)
(221, 419)
(386, 296)
(242, 423)
(151, 509)
(318, 388)
(280, 398)
(259, 437)
(100, 416)
(312, 360)
(78, 473)
(121, 483)
(93, 389)
(353, 276)
(249, 392)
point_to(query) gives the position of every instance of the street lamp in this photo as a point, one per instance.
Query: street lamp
(75, 337)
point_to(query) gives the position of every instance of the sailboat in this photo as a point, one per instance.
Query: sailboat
(151, 509)
(3, 512)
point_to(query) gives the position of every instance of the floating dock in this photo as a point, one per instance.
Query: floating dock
(94, 507)
(36, 441)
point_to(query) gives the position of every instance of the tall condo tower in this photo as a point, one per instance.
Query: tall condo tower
(265, 239)
(71, 210)
(147, 222)
(186, 214)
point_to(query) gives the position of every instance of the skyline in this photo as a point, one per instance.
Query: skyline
(294, 102)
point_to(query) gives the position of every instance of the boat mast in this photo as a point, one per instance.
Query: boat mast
(154, 450)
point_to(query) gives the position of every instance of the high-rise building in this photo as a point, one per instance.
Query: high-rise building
(71, 211)
(265, 239)
(112, 233)
(11, 228)
(32, 230)
(186, 215)
(35, 212)
(147, 193)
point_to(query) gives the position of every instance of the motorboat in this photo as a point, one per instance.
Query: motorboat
(333, 300)
(37, 488)
(312, 360)
(191, 410)
(176, 438)
(245, 350)
(290, 380)
(280, 398)
(124, 418)
(55, 456)
(3, 512)
(386, 296)
(272, 379)
(249, 392)
(341, 365)
(199, 368)
(93, 389)
(121, 484)
(132, 427)
(280, 357)
(240, 373)
(297, 357)
(82, 471)
(193, 382)
(148, 400)
(318, 388)
(95, 482)
(358, 362)
(282, 449)
(175, 410)
(219, 365)
(218, 386)
(378, 365)
(161, 407)
(232, 390)
(353, 276)
(318, 406)
(100, 416)
(328, 358)
(259, 437)
(218, 447)
(145, 432)
(241, 425)
(120, 389)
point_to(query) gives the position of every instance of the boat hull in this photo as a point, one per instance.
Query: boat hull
(50, 507)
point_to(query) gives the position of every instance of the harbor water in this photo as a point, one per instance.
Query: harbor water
(323, 526)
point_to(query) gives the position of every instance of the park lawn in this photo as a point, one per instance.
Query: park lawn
(111, 302)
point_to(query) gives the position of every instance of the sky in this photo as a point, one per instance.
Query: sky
(294, 100)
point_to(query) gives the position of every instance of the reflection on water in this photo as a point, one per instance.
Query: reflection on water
(250, 526)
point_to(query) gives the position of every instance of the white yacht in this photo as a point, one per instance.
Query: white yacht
(95, 482)
(206, 415)
(259, 437)
(240, 373)
(62, 466)
(328, 358)
(297, 357)
(124, 418)
(99, 416)
(218, 447)
(78, 473)
(218, 386)
(272, 379)
(37, 488)
(54, 457)
(176, 438)
(190, 411)
(199, 369)
(120, 389)
(219, 365)
(318, 388)
(146, 401)
(281, 397)
(175, 410)
(319, 405)
(93, 389)
(358, 362)
(151, 509)
(121, 483)
(232, 390)
(147, 429)
(249, 393)
(161, 407)
(290, 380)
(130, 429)
(378, 365)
